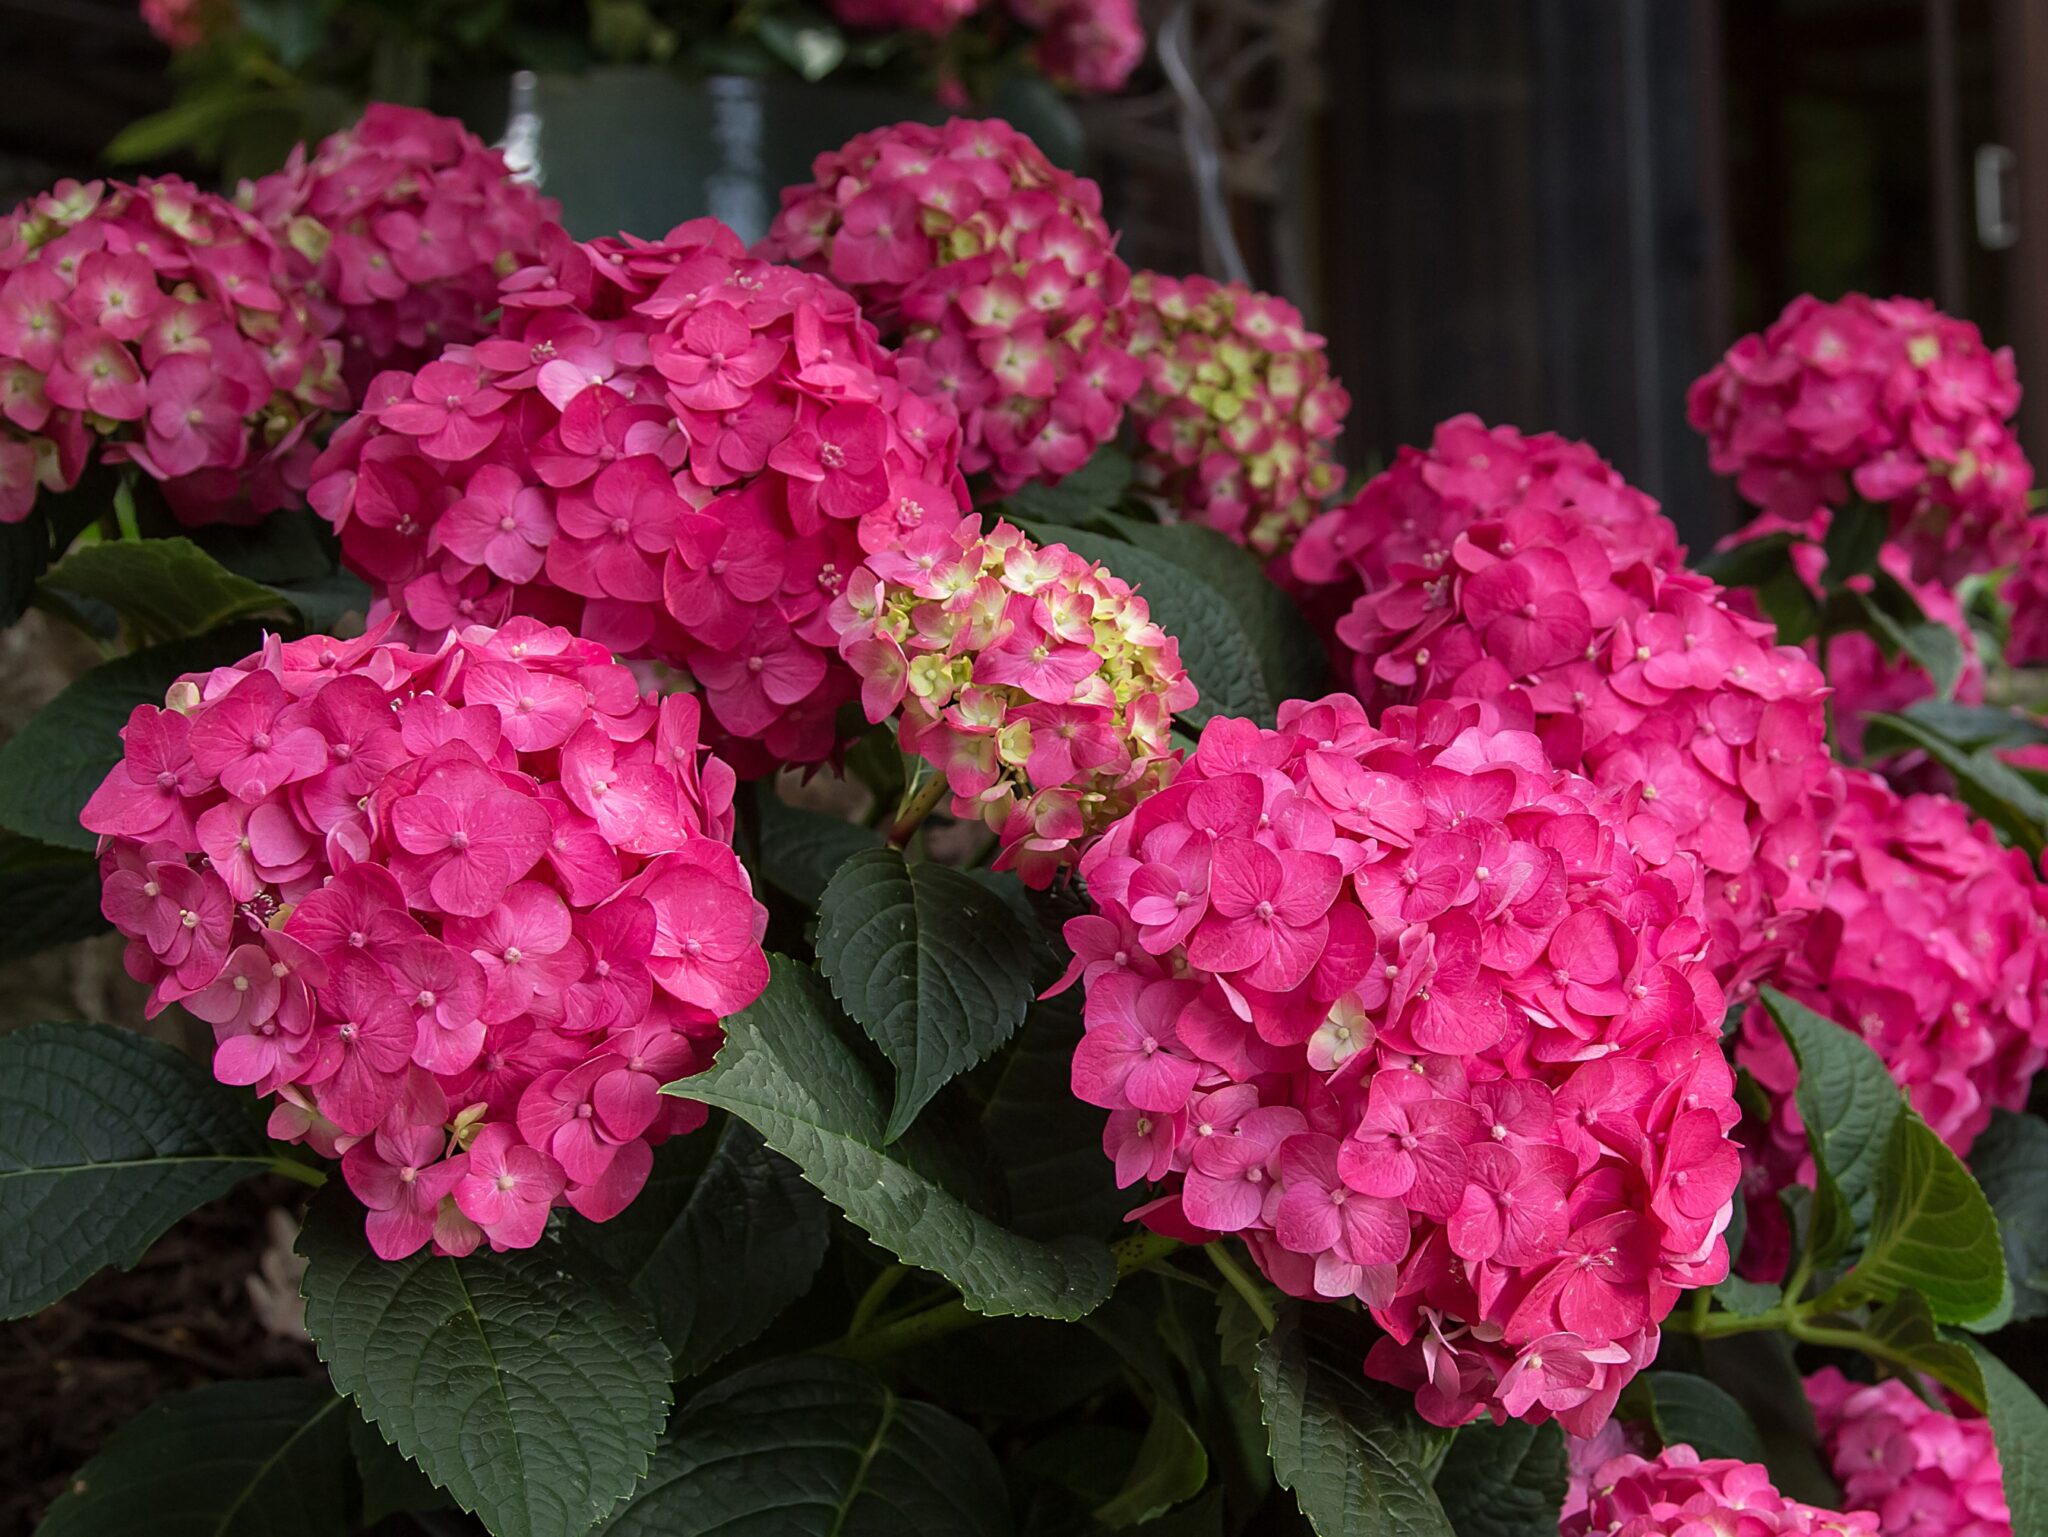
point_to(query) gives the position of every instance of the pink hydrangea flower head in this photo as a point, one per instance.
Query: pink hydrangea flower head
(158, 325)
(183, 24)
(462, 910)
(992, 272)
(1239, 411)
(1679, 1494)
(1410, 1011)
(673, 448)
(2026, 594)
(1030, 677)
(403, 225)
(1925, 1471)
(1886, 399)
(1931, 947)
(934, 17)
(1523, 572)
(1085, 45)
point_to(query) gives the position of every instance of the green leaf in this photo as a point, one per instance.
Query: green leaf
(1504, 1480)
(1848, 1102)
(106, 1139)
(717, 1254)
(1905, 1333)
(2010, 1160)
(167, 588)
(1931, 1231)
(1975, 725)
(297, 555)
(530, 1392)
(390, 1482)
(50, 768)
(814, 1447)
(1214, 646)
(1351, 1449)
(786, 1071)
(1856, 534)
(929, 962)
(1991, 787)
(294, 29)
(801, 848)
(2019, 1426)
(1760, 1373)
(235, 1459)
(1171, 1466)
(189, 122)
(804, 40)
(1291, 656)
(48, 896)
(1747, 1299)
(1692, 1410)
(1058, 1180)
(27, 548)
(1097, 488)
(1932, 646)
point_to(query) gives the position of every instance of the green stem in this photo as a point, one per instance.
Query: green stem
(1856, 1340)
(1227, 1266)
(911, 814)
(304, 1173)
(1139, 1252)
(872, 1299)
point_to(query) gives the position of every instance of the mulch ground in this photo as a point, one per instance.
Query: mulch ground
(76, 1372)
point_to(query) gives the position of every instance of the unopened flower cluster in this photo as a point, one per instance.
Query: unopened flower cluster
(463, 912)
(1678, 1494)
(1087, 45)
(1933, 946)
(1888, 399)
(674, 449)
(1035, 681)
(992, 272)
(160, 326)
(1239, 410)
(402, 227)
(1406, 1010)
(1926, 1472)
(181, 24)
(1525, 573)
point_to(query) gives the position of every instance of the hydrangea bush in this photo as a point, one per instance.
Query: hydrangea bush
(1193, 1008)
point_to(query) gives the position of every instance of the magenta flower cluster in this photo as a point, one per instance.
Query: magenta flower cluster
(1933, 946)
(1889, 399)
(1087, 45)
(1525, 573)
(1239, 411)
(161, 325)
(991, 271)
(1031, 678)
(180, 24)
(2026, 595)
(1408, 1011)
(1926, 1472)
(1677, 1494)
(402, 227)
(674, 449)
(462, 911)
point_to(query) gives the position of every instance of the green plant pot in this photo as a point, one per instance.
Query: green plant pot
(641, 149)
